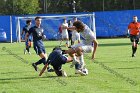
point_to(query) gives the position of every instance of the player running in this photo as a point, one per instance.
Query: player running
(65, 32)
(133, 30)
(28, 41)
(37, 32)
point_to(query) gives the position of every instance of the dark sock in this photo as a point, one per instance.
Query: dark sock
(28, 49)
(77, 66)
(133, 49)
(43, 60)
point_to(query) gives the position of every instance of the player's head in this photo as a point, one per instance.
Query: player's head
(38, 20)
(79, 26)
(57, 48)
(135, 18)
(28, 22)
(75, 19)
(64, 20)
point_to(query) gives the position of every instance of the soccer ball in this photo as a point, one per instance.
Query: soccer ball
(85, 70)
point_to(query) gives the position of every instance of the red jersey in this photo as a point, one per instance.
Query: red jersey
(134, 28)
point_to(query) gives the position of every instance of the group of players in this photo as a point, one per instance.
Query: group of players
(58, 56)
(88, 44)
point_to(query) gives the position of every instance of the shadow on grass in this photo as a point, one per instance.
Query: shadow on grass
(25, 78)
(15, 72)
(114, 44)
(129, 68)
(21, 78)
(6, 82)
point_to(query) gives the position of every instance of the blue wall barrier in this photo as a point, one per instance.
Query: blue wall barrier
(114, 23)
(108, 23)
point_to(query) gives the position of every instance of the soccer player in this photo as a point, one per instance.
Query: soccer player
(37, 32)
(57, 59)
(133, 30)
(88, 44)
(28, 41)
(65, 32)
(69, 31)
(75, 34)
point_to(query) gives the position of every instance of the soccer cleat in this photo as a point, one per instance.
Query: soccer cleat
(133, 55)
(29, 53)
(80, 72)
(64, 74)
(50, 69)
(24, 51)
(35, 66)
(76, 71)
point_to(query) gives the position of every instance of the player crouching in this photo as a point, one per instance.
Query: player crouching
(57, 59)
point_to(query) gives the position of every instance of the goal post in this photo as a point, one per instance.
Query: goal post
(51, 23)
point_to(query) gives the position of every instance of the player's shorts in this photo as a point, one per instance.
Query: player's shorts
(85, 48)
(134, 38)
(57, 65)
(39, 48)
(65, 35)
(75, 36)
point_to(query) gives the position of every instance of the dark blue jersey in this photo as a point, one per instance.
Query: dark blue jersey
(37, 33)
(56, 58)
(26, 28)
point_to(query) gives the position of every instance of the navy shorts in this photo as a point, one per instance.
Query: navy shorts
(134, 38)
(39, 48)
(57, 65)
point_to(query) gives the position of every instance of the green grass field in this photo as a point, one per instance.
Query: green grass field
(113, 71)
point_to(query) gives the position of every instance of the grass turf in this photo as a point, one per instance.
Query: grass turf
(113, 70)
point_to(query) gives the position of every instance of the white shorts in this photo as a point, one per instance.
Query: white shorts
(65, 36)
(75, 36)
(85, 48)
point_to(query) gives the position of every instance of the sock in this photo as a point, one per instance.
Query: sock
(74, 58)
(67, 42)
(133, 49)
(43, 60)
(81, 58)
(77, 66)
(28, 49)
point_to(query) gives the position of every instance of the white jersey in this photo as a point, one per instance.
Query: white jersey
(75, 35)
(65, 31)
(87, 36)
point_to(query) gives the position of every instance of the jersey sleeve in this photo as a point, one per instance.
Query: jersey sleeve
(30, 30)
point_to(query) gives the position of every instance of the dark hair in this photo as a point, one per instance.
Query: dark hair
(75, 18)
(28, 21)
(57, 48)
(78, 25)
(64, 19)
(37, 18)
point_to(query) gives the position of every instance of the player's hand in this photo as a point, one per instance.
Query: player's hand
(128, 35)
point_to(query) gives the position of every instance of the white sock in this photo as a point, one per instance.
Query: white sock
(67, 42)
(81, 58)
(74, 58)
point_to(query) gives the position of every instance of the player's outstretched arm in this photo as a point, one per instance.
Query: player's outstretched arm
(71, 28)
(44, 68)
(95, 47)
